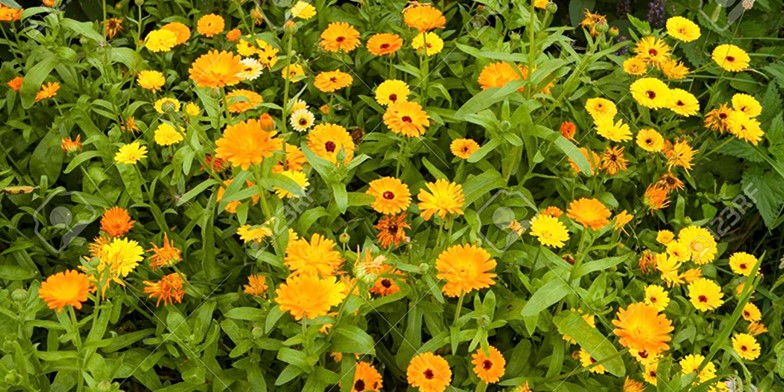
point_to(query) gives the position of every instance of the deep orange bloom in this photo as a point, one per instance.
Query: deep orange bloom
(116, 222)
(568, 129)
(165, 256)
(392, 230)
(246, 143)
(589, 213)
(423, 17)
(65, 288)
(339, 36)
(168, 289)
(656, 197)
(15, 83)
(48, 90)
(384, 44)
(216, 69)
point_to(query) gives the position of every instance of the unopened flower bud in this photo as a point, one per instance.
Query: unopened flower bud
(344, 238)
(551, 8)
(19, 295)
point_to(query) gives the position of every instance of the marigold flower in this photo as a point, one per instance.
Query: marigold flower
(384, 44)
(635, 66)
(391, 196)
(683, 102)
(429, 372)
(655, 197)
(332, 81)
(489, 367)
(591, 20)
(181, 31)
(589, 213)
(386, 283)
(121, 255)
(48, 90)
(339, 36)
(300, 178)
(303, 10)
(71, 146)
(251, 69)
(255, 234)
(652, 50)
(499, 74)
(751, 312)
(568, 130)
(632, 385)
(593, 161)
(210, 25)
(160, 41)
(747, 104)
(700, 242)
(756, 328)
(167, 135)
(246, 143)
(16, 83)
(441, 198)
(366, 378)
(744, 128)
(392, 91)
(241, 100)
(315, 257)
(166, 255)
(423, 17)
(429, 43)
(309, 296)
(151, 80)
(673, 69)
(168, 289)
(616, 131)
(746, 346)
(705, 294)
(731, 58)
(682, 29)
(680, 154)
(549, 231)
(742, 263)
(112, 27)
(656, 296)
(216, 69)
(465, 268)
(716, 119)
(116, 222)
(65, 288)
(233, 35)
(463, 148)
(613, 160)
(329, 141)
(586, 360)
(650, 140)
(294, 160)
(407, 118)
(601, 108)
(257, 286)
(642, 328)
(130, 153)
(651, 93)
(391, 230)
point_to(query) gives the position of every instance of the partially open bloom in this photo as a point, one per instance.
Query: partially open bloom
(166, 255)
(499, 74)
(429, 372)
(65, 288)
(112, 26)
(465, 268)
(241, 100)
(257, 286)
(303, 10)
(48, 90)
(71, 146)
(441, 198)
(168, 289)
(429, 43)
(16, 83)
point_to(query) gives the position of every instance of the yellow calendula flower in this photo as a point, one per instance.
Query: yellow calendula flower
(657, 297)
(392, 91)
(130, 153)
(192, 109)
(683, 103)
(150, 80)
(429, 43)
(746, 346)
(742, 263)
(744, 127)
(651, 93)
(731, 58)
(166, 135)
(746, 104)
(121, 256)
(549, 231)
(650, 140)
(303, 10)
(441, 198)
(705, 294)
(682, 29)
(160, 41)
(751, 312)
(616, 131)
(674, 69)
(463, 148)
(635, 66)
(664, 237)
(298, 177)
(652, 50)
(601, 108)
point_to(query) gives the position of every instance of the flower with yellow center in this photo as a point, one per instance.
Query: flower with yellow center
(160, 41)
(130, 153)
(635, 66)
(650, 140)
(309, 296)
(68, 288)
(705, 294)
(680, 155)
(674, 69)
(315, 257)
(210, 25)
(601, 108)
(700, 242)
(549, 231)
(679, 251)
(122, 256)
(216, 69)
(590, 213)
(246, 143)
(441, 198)
(642, 328)
(167, 105)
(166, 135)
(682, 29)
(255, 234)
(423, 17)
(731, 58)
(497, 75)
(664, 237)
(613, 131)
(257, 286)
(150, 80)
(465, 268)
(192, 109)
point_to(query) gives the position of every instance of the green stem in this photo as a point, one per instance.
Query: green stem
(717, 148)
(481, 387)
(262, 192)
(458, 309)
(286, 82)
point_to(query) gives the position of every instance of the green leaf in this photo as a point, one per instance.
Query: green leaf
(35, 77)
(547, 295)
(47, 158)
(246, 313)
(351, 339)
(133, 182)
(766, 189)
(743, 150)
(79, 159)
(196, 191)
(487, 98)
(15, 272)
(590, 339)
(478, 186)
(341, 196)
(564, 145)
(598, 265)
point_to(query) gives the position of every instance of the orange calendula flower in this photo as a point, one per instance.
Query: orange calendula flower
(246, 143)
(166, 255)
(8, 14)
(568, 130)
(500, 73)
(180, 30)
(429, 372)
(441, 198)
(406, 118)
(679, 154)
(257, 286)
(589, 213)
(233, 35)
(621, 220)
(642, 328)
(465, 268)
(48, 90)
(329, 141)
(391, 195)
(315, 257)
(112, 27)
(241, 100)
(384, 44)
(168, 289)
(655, 197)
(489, 367)
(669, 182)
(339, 36)
(116, 222)
(210, 25)
(15, 83)
(386, 283)
(332, 81)
(366, 378)
(309, 296)
(71, 146)
(463, 148)
(216, 69)
(65, 288)
(423, 17)
(613, 160)
(392, 230)
(590, 21)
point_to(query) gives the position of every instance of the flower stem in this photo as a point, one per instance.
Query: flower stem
(458, 309)
(284, 111)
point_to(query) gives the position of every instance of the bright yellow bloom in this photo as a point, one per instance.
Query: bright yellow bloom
(130, 153)
(303, 10)
(430, 42)
(682, 29)
(315, 257)
(650, 140)
(635, 66)
(751, 312)
(549, 231)
(656, 296)
(742, 263)
(651, 93)
(731, 58)
(746, 104)
(151, 80)
(705, 294)
(122, 256)
(160, 41)
(407, 118)
(587, 360)
(601, 108)
(309, 296)
(652, 50)
(683, 102)
(392, 91)
(298, 177)
(664, 237)
(166, 135)
(674, 69)
(746, 346)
